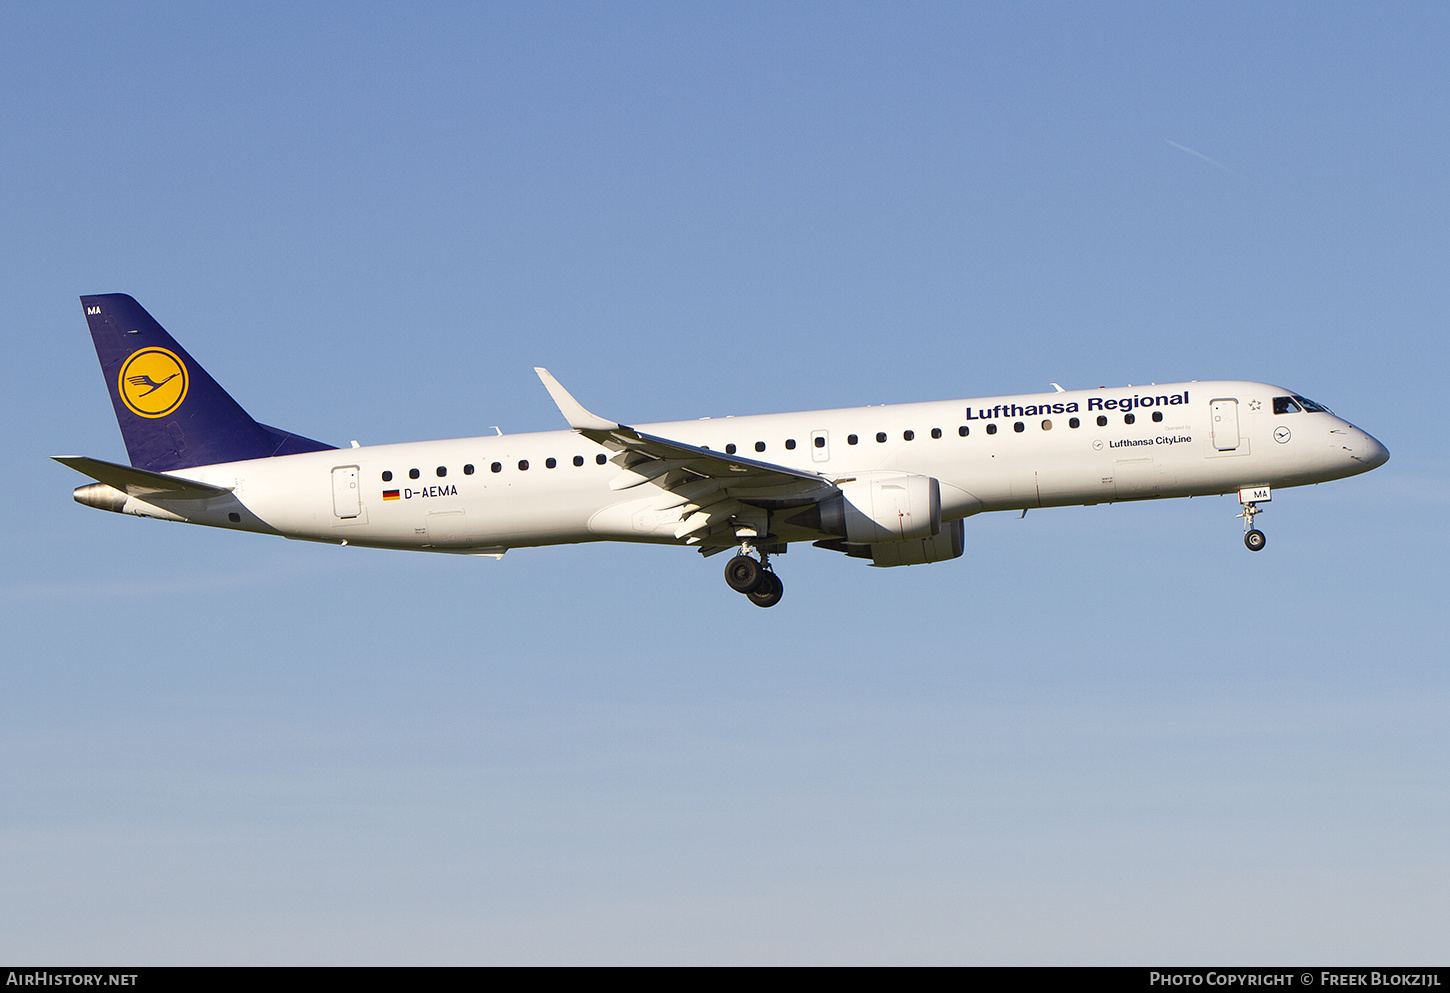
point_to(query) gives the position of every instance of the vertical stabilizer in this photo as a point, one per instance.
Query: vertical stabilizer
(172, 414)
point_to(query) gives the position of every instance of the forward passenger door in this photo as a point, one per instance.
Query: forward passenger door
(1225, 418)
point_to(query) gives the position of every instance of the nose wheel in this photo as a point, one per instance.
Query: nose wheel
(753, 578)
(1254, 539)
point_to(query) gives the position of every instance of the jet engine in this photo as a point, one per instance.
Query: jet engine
(948, 544)
(883, 508)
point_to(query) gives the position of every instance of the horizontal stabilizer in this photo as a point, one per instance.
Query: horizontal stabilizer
(140, 482)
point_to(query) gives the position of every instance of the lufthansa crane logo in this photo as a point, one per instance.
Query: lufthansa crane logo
(153, 382)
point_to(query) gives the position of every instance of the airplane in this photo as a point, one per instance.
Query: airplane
(892, 484)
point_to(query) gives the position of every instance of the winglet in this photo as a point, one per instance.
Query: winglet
(579, 419)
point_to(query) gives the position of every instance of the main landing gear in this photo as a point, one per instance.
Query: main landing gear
(1254, 539)
(755, 579)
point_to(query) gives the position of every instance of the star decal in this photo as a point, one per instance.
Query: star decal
(1254, 405)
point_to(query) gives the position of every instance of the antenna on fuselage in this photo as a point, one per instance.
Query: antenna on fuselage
(1058, 388)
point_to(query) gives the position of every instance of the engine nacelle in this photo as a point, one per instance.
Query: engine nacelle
(889, 507)
(949, 544)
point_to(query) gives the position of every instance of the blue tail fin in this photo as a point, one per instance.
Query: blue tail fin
(172, 414)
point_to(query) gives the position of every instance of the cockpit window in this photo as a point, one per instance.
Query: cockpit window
(1311, 406)
(1286, 405)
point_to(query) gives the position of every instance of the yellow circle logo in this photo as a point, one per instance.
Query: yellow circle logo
(153, 382)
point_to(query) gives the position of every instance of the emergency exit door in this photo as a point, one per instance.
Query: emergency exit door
(820, 446)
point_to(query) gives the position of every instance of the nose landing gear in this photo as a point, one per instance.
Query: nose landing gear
(1254, 539)
(755, 579)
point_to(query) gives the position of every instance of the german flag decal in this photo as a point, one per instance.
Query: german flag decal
(390, 494)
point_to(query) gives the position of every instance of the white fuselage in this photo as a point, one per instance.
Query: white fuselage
(487, 494)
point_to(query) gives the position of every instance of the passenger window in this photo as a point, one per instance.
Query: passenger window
(413, 474)
(550, 463)
(442, 471)
(851, 439)
(1102, 421)
(730, 449)
(1019, 427)
(601, 458)
(496, 467)
(388, 476)
(1157, 417)
(468, 469)
(936, 432)
(991, 429)
(523, 464)
(963, 431)
(578, 460)
(908, 435)
(760, 446)
(1073, 422)
(880, 437)
(1129, 418)
(1286, 405)
(820, 442)
(1047, 425)
(790, 444)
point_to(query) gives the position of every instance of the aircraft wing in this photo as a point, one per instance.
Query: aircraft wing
(140, 482)
(712, 488)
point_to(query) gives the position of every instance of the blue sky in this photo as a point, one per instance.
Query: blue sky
(1105, 735)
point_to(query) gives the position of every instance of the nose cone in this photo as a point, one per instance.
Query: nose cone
(1365, 453)
(1371, 452)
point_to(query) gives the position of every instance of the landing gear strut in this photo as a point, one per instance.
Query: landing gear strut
(755, 579)
(1254, 539)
